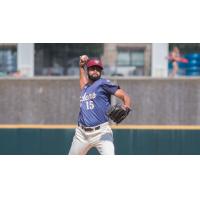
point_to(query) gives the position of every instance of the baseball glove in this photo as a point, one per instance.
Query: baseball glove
(117, 113)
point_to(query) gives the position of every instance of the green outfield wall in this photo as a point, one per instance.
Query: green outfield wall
(25, 141)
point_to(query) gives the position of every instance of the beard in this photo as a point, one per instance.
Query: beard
(94, 78)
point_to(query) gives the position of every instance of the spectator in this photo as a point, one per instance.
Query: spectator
(174, 57)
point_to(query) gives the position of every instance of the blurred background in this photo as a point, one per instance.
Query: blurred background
(128, 60)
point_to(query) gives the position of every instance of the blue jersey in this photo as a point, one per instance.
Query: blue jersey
(95, 100)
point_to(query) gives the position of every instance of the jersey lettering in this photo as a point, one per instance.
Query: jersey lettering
(94, 102)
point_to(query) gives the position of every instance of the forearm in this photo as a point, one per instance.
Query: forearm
(121, 94)
(127, 101)
(83, 78)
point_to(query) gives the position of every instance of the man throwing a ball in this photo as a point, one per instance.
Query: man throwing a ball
(93, 128)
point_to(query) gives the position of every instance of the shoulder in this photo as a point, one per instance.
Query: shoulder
(109, 87)
(106, 82)
(101, 81)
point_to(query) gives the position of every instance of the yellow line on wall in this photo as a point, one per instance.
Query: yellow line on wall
(73, 126)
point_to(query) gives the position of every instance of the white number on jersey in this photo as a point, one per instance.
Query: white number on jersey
(90, 105)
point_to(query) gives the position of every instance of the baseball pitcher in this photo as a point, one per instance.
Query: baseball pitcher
(93, 128)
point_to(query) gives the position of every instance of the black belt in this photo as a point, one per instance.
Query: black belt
(90, 129)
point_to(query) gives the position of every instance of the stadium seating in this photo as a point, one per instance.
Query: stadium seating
(192, 68)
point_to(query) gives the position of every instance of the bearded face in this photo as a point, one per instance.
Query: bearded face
(94, 73)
